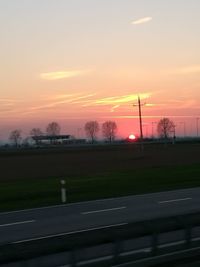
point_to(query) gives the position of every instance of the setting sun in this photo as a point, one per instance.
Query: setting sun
(132, 137)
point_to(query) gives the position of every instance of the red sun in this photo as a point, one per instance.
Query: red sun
(132, 137)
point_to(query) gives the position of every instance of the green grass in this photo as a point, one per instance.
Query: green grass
(34, 193)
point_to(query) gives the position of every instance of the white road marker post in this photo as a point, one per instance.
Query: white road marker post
(63, 191)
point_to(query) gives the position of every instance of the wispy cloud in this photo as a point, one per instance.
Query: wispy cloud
(147, 116)
(141, 20)
(8, 105)
(63, 99)
(8, 101)
(58, 102)
(114, 108)
(183, 104)
(64, 74)
(62, 96)
(117, 100)
(65, 96)
(150, 105)
(187, 70)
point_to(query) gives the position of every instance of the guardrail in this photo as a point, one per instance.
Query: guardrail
(66, 249)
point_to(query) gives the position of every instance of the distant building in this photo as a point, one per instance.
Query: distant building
(57, 139)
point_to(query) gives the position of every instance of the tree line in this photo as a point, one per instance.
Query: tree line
(165, 128)
(92, 128)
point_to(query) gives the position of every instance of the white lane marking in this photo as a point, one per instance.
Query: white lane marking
(136, 196)
(69, 233)
(174, 200)
(35, 209)
(16, 223)
(105, 210)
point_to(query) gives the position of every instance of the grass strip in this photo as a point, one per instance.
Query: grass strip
(30, 193)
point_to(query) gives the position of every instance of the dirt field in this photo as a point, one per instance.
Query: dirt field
(76, 162)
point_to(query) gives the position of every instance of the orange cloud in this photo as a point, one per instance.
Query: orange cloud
(117, 100)
(58, 75)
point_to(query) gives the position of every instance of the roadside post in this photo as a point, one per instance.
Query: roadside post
(63, 191)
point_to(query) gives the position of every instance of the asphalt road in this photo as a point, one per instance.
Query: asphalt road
(42, 223)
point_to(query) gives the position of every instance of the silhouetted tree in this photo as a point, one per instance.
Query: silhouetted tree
(109, 130)
(165, 127)
(15, 137)
(91, 129)
(35, 132)
(53, 129)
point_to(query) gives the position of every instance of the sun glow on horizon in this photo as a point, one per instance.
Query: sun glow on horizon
(132, 137)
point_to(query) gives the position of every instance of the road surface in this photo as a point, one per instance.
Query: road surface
(42, 223)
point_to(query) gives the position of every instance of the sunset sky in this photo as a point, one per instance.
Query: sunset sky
(72, 61)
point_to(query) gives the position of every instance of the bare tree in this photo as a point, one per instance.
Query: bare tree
(91, 129)
(109, 130)
(15, 137)
(35, 133)
(53, 128)
(165, 128)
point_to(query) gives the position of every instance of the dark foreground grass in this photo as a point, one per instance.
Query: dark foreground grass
(31, 193)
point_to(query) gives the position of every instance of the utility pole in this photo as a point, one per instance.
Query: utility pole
(140, 119)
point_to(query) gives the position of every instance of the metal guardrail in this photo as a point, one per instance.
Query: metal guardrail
(113, 238)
